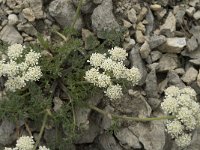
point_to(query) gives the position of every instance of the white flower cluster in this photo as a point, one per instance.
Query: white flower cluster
(26, 143)
(182, 104)
(108, 66)
(20, 67)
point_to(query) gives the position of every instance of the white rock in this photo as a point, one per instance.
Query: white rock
(28, 14)
(190, 75)
(132, 15)
(170, 24)
(197, 15)
(12, 19)
(173, 45)
(190, 11)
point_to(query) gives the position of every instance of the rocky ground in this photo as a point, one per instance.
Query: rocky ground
(163, 40)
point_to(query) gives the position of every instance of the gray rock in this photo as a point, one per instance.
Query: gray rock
(132, 16)
(127, 139)
(145, 50)
(63, 11)
(12, 19)
(142, 14)
(169, 26)
(173, 45)
(180, 71)
(173, 79)
(195, 30)
(139, 36)
(102, 23)
(168, 62)
(37, 8)
(190, 75)
(153, 66)
(86, 7)
(156, 40)
(11, 35)
(151, 135)
(28, 14)
(151, 85)
(193, 2)
(7, 130)
(82, 115)
(97, 1)
(180, 13)
(126, 24)
(150, 19)
(196, 15)
(136, 61)
(194, 54)
(154, 102)
(155, 55)
(192, 44)
(107, 142)
(129, 45)
(27, 28)
(190, 11)
(195, 61)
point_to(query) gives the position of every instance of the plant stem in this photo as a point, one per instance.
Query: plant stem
(42, 129)
(77, 13)
(127, 117)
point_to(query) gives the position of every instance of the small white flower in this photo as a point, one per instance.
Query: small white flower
(32, 58)
(96, 59)
(174, 128)
(184, 140)
(10, 69)
(91, 75)
(16, 83)
(15, 51)
(170, 105)
(118, 54)
(189, 91)
(103, 80)
(43, 148)
(184, 100)
(114, 92)
(108, 64)
(25, 143)
(172, 91)
(33, 74)
(133, 75)
(119, 70)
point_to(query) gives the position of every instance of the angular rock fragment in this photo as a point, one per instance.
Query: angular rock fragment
(190, 75)
(155, 55)
(27, 28)
(145, 50)
(174, 79)
(196, 15)
(11, 35)
(28, 14)
(127, 139)
(173, 45)
(168, 62)
(190, 11)
(156, 40)
(139, 36)
(132, 15)
(37, 7)
(192, 44)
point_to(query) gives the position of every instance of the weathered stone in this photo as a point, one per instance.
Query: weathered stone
(153, 66)
(156, 40)
(173, 45)
(142, 14)
(196, 15)
(151, 135)
(63, 11)
(151, 85)
(97, 1)
(100, 22)
(37, 8)
(86, 7)
(195, 61)
(190, 11)
(195, 30)
(145, 50)
(7, 135)
(107, 142)
(192, 44)
(150, 22)
(127, 24)
(180, 71)
(27, 28)
(160, 14)
(155, 55)
(193, 2)
(168, 62)
(194, 54)
(190, 75)
(169, 26)
(156, 7)
(154, 102)
(11, 35)
(173, 79)
(90, 39)
(136, 61)
(139, 36)
(132, 15)
(127, 139)
(28, 14)
(12, 19)
(81, 115)
(129, 45)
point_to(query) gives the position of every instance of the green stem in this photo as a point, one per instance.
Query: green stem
(129, 118)
(77, 13)
(42, 129)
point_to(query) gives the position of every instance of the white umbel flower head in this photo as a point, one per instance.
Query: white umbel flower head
(133, 75)
(15, 51)
(114, 92)
(16, 83)
(43, 148)
(172, 91)
(189, 91)
(174, 128)
(10, 69)
(108, 64)
(103, 81)
(25, 143)
(96, 59)
(33, 74)
(92, 75)
(170, 105)
(118, 54)
(32, 58)
(183, 140)
(119, 70)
